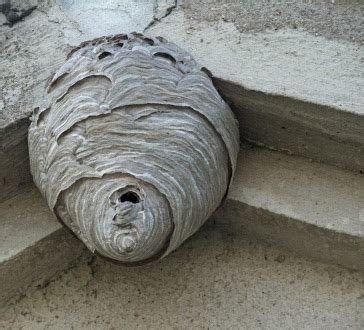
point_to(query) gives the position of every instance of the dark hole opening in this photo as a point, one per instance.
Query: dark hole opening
(120, 44)
(166, 56)
(129, 196)
(119, 37)
(124, 37)
(103, 55)
(149, 41)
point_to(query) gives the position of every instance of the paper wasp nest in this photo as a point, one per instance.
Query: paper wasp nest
(133, 147)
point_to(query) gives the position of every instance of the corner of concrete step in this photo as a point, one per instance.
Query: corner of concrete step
(34, 248)
(309, 208)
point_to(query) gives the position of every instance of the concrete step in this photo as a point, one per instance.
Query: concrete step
(216, 280)
(290, 90)
(308, 208)
(313, 209)
(34, 247)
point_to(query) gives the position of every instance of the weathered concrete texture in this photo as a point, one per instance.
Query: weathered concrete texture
(332, 19)
(285, 62)
(33, 245)
(304, 207)
(215, 280)
(84, 19)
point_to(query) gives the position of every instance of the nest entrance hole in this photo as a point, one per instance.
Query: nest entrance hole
(129, 196)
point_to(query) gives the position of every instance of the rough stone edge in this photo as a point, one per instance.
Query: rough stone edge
(297, 127)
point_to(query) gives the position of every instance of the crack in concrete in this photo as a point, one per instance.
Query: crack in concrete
(156, 19)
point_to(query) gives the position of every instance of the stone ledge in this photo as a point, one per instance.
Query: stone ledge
(296, 127)
(313, 209)
(305, 207)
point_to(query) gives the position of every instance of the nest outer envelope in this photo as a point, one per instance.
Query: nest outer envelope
(133, 147)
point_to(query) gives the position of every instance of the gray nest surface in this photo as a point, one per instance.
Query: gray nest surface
(133, 147)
